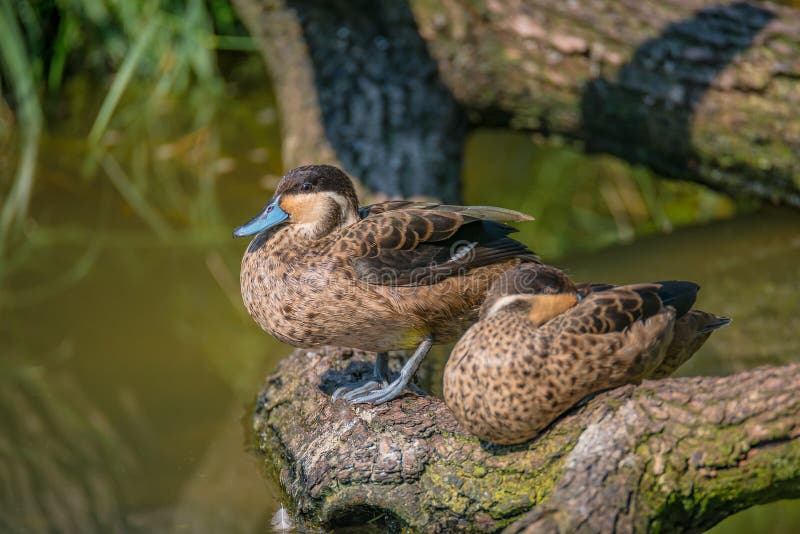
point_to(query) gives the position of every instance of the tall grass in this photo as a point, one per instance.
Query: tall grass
(18, 71)
(150, 56)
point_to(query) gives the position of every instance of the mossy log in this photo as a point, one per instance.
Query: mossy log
(693, 89)
(677, 454)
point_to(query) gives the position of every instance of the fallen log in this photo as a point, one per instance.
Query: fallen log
(677, 454)
(690, 88)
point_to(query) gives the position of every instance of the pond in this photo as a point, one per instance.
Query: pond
(130, 366)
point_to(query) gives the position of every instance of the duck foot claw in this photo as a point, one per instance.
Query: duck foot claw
(350, 391)
(379, 393)
(381, 378)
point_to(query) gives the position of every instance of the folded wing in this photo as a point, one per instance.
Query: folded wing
(409, 244)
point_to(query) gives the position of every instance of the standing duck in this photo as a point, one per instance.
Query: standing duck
(390, 276)
(543, 343)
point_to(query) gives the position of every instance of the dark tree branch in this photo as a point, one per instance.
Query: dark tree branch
(678, 454)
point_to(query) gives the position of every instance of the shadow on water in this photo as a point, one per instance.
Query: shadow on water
(580, 202)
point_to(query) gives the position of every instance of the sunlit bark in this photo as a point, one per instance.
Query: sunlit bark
(678, 454)
(689, 88)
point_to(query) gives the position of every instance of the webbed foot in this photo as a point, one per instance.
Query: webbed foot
(375, 395)
(350, 391)
(356, 389)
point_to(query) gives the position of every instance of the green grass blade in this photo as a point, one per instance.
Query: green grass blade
(120, 82)
(236, 43)
(61, 47)
(20, 75)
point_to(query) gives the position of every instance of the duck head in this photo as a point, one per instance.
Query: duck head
(315, 199)
(540, 291)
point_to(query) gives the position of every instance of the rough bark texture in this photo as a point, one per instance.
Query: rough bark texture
(669, 455)
(357, 88)
(691, 88)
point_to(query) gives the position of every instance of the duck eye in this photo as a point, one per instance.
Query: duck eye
(305, 187)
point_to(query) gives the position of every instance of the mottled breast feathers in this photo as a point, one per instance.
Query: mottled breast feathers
(411, 243)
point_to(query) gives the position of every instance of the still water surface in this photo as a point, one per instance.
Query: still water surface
(130, 365)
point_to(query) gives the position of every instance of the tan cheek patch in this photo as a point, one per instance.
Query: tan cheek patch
(545, 307)
(304, 208)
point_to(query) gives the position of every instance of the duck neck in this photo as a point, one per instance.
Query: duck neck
(339, 213)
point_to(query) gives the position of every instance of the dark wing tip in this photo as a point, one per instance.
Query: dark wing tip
(680, 294)
(720, 322)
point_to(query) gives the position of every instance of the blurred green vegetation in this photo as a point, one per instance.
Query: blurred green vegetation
(142, 92)
(150, 69)
(581, 202)
(116, 126)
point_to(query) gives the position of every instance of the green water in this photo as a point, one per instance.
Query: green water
(129, 364)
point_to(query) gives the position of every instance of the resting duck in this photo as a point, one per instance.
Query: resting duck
(390, 276)
(543, 343)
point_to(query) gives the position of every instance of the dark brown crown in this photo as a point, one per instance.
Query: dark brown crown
(317, 179)
(531, 279)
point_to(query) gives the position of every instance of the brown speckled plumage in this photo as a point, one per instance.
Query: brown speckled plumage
(380, 278)
(543, 343)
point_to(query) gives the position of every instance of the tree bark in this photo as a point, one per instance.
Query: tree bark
(690, 88)
(357, 88)
(669, 455)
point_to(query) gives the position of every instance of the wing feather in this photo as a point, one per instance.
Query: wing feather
(613, 310)
(408, 243)
(485, 213)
